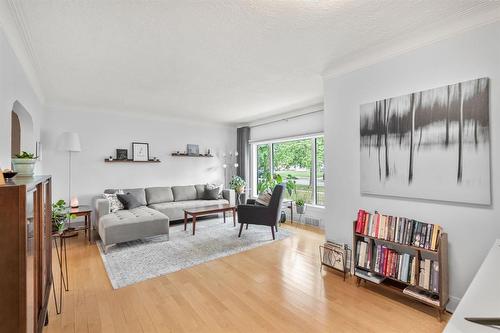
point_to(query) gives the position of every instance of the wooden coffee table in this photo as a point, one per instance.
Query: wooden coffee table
(208, 210)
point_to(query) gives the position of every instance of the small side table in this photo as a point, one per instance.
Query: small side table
(62, 260)
(85, 212)
(289, 204)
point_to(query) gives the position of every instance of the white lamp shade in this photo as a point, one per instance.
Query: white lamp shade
(69, 141)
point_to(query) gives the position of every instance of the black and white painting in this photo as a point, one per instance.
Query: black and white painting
(432, 144)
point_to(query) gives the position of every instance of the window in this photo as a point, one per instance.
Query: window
(301, 160)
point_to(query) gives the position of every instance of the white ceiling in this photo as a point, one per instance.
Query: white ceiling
(226, 61)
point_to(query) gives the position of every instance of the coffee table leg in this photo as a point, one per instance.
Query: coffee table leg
(185, 221)
(194, 223)
(234, 217)
(224, 214)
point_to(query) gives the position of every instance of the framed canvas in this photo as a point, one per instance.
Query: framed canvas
(122, 154)
(140, 151)
(432, 144)
(193, 149)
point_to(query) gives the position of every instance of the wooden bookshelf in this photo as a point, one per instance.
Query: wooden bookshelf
(395, 285)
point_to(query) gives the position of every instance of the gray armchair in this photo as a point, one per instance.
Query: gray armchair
(252, 213)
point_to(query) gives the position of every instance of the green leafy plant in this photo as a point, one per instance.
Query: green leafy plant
(269, 181)
(60, 215)
(25, 155)
(237, 183)
(300, 202)
(291, 185)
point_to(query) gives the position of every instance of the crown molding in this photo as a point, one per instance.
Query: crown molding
(396, 47)
(19, 36)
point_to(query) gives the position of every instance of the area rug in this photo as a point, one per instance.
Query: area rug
(132, 262)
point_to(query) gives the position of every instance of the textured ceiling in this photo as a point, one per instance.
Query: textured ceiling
(225, 61)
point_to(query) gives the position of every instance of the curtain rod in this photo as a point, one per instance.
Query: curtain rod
(286, 119)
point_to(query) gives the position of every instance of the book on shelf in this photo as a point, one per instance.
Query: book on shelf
(398, 230)
(422, 295)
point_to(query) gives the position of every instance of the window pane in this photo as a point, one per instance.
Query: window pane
(262, 165)
(320, 171)
(294, 159)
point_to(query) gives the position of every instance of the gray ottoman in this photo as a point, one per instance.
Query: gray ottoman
(128, 225)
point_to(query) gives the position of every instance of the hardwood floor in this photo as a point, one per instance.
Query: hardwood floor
(273, 288)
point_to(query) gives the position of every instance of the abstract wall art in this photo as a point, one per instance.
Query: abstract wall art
(432, 144)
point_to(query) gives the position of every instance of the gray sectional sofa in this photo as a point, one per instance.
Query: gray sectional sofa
(160, 205)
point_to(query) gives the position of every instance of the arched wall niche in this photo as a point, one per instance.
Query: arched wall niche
(27, 137)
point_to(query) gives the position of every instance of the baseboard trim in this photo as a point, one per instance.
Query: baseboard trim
(452, 304)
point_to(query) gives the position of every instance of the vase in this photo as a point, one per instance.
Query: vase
(301, 209)
(24, 166)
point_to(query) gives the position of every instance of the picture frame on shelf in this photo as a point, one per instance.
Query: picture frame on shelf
(193, 149)
(140, 151)
(122, 154)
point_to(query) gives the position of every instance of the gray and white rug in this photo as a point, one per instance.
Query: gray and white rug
(132, 262)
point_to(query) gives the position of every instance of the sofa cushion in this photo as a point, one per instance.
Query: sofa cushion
(183, 193)
(127, 225)
(200, 191)
(128, 201)
(159, 194)
(138, 193)
(175, 210)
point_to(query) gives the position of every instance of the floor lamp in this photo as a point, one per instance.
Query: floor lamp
(70, 142)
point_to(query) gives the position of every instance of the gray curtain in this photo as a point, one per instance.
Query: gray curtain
(243, 148)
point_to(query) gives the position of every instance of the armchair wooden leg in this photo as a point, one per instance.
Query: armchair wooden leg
(241, 229)
(272, 230)
(247, 226)
(276, 228)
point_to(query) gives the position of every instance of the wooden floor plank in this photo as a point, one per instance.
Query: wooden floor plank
(273, 288)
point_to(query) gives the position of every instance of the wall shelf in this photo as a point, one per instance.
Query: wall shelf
(107, 160)
(190, 155)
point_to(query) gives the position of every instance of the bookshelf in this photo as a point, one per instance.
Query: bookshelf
(440, 255)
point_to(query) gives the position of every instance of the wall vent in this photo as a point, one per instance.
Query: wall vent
(311, 221)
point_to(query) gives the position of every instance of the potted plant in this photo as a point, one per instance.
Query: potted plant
(24, 163)
(300, 203)
(60, 215)
(237, 184)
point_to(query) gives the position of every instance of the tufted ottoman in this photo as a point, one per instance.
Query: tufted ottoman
(127, 225)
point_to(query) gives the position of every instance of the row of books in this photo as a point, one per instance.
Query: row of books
(393, 264)
(400, 266)
(398, 229)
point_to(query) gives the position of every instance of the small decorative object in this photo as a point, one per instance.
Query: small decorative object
(122, 154)
(301, 208)
(334, 255)
(74, 202)
(60, 215)
(8, 174)
(209, 152)
(193, 149)
(24, 163)
(140, 151)
(110, 158)
(155, 159)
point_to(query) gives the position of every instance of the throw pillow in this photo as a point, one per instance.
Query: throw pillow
(264, 198)
(114, 203)
(129, 201)
(213, 192)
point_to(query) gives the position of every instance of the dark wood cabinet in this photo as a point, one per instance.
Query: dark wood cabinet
(25, 253)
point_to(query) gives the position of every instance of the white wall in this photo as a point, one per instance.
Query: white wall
(14, 86)
(471, 229)
(102, 132)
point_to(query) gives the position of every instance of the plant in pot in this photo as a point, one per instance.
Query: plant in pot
(60, 215)
(301, 207)
(238, 185)
(24, 163)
